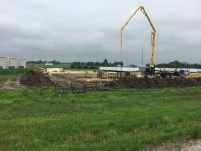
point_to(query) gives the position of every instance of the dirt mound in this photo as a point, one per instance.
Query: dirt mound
(36, 79)
(144, 83)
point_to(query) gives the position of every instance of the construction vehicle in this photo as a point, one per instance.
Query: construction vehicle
(165, 73)
(37, 68)
(152, 67)
(150, 71)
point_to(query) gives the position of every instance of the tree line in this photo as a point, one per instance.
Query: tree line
(105, 63)
(94, 65)
(43, 62)
(177, 64)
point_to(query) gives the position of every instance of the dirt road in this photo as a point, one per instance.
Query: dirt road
(194, 75)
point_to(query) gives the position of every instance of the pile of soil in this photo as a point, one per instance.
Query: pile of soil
(36, 79)
(144, 83)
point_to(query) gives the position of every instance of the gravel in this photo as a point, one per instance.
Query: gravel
(191, 145)
(187, 145)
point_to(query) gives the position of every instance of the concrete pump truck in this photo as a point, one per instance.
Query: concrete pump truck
(149, 71)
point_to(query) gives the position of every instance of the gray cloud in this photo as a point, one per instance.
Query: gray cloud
(89, 30)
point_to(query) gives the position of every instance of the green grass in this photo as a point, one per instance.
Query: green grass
(105, 120)
(64, 66)
(9, 73)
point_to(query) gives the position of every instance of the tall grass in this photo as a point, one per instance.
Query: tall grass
(105, 120)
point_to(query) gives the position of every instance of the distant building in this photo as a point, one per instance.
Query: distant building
(22, 63)
(3, 62)
(125, 69)
(6, 63)
(12, 63)
(48, 64)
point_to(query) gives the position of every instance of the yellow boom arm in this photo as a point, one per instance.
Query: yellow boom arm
(152, 34)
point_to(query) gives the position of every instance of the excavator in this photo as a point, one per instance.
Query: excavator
(151, 69)
(37, 68)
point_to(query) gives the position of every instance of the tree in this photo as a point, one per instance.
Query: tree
(73, 66)
(80, 66)
(132, 65)
(85, 67)
(105, 62)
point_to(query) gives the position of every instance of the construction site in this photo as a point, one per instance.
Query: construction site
(110, 77)
(83, 81)
(82, 103)
(119, 77)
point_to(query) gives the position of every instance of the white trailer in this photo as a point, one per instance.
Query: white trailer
(3, 62)
(12, 63)
(22, 63)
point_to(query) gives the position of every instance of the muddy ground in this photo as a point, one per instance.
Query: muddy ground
(194, 75)
(145, 83)
(37, 80)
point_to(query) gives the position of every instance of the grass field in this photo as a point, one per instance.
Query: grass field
(64, 66)
(126, 119)
(8, 73)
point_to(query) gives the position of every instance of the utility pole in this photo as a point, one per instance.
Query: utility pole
(142, 57)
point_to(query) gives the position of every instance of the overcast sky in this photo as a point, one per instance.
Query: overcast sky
(89, 30)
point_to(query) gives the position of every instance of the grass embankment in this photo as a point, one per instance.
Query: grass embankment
(107, 120)
(9, 73)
